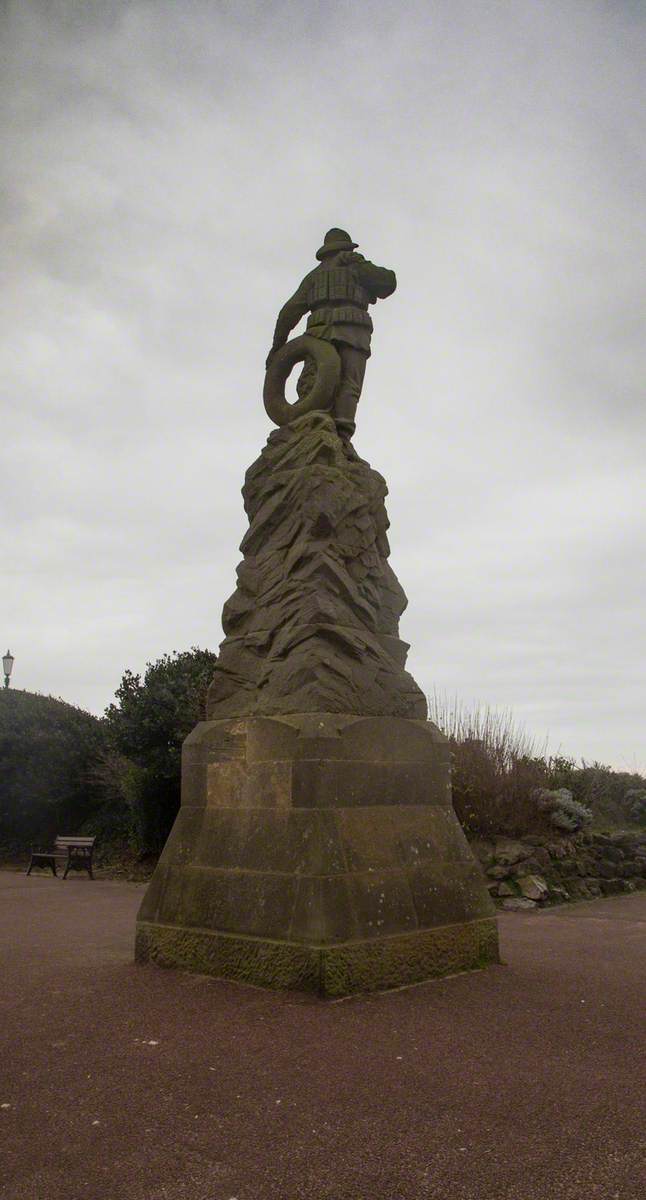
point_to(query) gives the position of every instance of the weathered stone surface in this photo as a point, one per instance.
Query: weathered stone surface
(506, 889)
(359, 966)
(533, 887)
(529, 866)
(483, 851)
(568, 866)
(337, 294)
(316, 846)
(612, 887)
(507, 852)
(282, 869)
(313, 625)
(559, 894)
(498, 871)
(577, 867)
(519, 904)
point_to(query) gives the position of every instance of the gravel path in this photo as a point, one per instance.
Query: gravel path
(121, 1082)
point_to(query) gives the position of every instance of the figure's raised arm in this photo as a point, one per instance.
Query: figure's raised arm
(289, 316)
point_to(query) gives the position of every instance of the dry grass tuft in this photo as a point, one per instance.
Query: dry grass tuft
(496, 767)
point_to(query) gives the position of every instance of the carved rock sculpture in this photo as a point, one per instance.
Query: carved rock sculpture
(316, 846)
(313, 625)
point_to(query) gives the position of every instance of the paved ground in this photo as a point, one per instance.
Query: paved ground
(122, 1082)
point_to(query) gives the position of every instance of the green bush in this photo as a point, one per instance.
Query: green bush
(140, 775)
(117, 820)
(47, 751)
(635, 802)
(605, 791)
(564, 812)
(63, 770)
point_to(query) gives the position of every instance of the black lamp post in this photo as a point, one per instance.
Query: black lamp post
(7, 665)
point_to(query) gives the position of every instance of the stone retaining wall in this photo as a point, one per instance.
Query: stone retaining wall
(535, 871)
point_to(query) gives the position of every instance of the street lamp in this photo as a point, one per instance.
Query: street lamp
(7, 664)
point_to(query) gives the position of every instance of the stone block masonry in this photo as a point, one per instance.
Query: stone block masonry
(318, 852)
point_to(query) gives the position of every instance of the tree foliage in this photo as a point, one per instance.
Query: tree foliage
(146, 727)
(47, 749)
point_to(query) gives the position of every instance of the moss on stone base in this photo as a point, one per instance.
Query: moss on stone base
(338, 970)
(246, 959)
(408, 958)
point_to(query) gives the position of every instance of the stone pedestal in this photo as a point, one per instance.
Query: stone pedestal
(317, 851)
(316, 846)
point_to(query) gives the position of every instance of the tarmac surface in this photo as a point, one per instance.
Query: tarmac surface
(125, 1082)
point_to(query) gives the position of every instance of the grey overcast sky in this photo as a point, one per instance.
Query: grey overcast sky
(169, 171)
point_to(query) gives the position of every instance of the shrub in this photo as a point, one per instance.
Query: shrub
(564, 812)
(598, 787)
(495, 769)
(499, 772)
(635, 802)
(47, 749)
(118, 819)
(146, 728)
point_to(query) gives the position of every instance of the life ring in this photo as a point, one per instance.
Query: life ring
(321, 395)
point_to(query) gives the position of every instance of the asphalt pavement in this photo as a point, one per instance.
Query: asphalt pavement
(124, 1082)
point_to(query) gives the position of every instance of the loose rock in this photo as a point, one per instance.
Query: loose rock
(505, 889)
(533, 887)
(497, 872)
(508, 853)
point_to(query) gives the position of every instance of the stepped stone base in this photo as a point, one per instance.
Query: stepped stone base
(318, 852)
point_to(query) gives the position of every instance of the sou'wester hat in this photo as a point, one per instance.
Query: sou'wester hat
(335, 240)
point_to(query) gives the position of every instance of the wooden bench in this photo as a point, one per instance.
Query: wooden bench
(72, 851)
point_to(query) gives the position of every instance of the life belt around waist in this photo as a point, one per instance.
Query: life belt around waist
(321, 395)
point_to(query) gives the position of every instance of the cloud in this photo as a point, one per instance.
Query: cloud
(170, 170)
